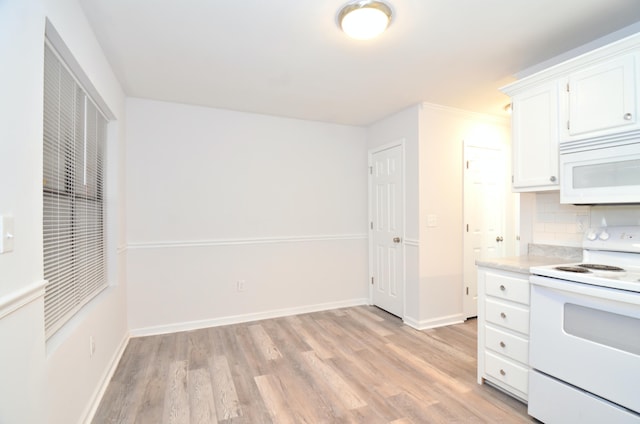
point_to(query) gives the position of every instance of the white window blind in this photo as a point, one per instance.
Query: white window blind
(73, 217)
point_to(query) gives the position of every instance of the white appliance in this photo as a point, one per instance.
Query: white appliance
(585, 333)
(600, 171)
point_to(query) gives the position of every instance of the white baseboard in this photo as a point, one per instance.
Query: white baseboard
(237, 319)
(434, 322)
(106, 379)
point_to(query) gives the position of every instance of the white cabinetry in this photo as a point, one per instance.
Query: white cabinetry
(535, 138)
(601, 99)
(503, 330)
(593, 96)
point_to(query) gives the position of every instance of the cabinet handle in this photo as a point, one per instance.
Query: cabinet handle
(503, 315)
(502, 344)
(627, 117)
(503, 372)
(552, 179)
(502, 287)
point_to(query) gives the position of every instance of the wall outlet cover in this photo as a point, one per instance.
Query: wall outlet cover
(6, 234)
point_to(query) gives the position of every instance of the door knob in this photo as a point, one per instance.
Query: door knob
(499, 239)
(396, 239)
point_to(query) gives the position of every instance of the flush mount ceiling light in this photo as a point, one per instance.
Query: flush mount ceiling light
(364, 19)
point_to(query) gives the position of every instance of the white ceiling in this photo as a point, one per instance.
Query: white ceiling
(288, 57)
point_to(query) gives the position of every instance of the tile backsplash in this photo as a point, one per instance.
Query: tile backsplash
(563, 225)
(558, 224)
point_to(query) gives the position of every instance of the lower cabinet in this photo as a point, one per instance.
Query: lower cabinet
(503, 330)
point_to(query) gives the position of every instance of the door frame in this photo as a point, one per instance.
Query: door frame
(390, 145)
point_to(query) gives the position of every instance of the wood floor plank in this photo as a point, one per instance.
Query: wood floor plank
(310, 339)
(199, 349)
(427, 369)
(126, 388)
(349, 397)
(176, 405)
(202, 407)
(245, 363)
(350, 365)
(334, 334)
(370, 324)
(224, 391)
(275, 399)
(268, 350)
(151, 409)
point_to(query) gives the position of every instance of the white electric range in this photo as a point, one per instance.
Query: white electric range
(585, 333)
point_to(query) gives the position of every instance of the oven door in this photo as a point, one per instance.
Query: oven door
(587, 336)
(601, 175)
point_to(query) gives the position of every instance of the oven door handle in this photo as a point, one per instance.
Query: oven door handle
(586, 289)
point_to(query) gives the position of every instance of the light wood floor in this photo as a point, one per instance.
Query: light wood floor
(352, 365)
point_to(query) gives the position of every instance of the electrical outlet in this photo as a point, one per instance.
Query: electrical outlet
(432, 220)
(240, 286)
(6, 234)
(92, 346)
(580, 223)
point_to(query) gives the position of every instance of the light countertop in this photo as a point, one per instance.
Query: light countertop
(521, 264)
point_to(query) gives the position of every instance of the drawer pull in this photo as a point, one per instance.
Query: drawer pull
(503, 372)
(502, 344)
(502, 287)
(503, 315)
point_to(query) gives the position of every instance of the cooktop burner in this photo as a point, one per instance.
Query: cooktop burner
(599, 267)
(573, 269)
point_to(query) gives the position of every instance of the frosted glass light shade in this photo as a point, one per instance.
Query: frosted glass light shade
(364, 19)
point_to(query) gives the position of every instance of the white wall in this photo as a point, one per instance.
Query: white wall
(442, 134)
(22, 356)
(51, 382)
(217, 196)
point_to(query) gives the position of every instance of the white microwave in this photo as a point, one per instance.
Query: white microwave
(600, 173)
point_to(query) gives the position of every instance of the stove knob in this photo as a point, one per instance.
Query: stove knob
(604, 235)
(591, 235)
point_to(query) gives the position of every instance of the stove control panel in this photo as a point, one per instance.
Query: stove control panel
(613, 238)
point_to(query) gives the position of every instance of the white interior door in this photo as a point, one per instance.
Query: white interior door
(484, 215)
(387, 229)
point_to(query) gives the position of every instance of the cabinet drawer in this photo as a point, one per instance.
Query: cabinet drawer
(507, 372)
(507, 287)
(507, 344)
(507, 315)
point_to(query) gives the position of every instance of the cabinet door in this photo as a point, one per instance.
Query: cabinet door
(535, 139)
(601, 99)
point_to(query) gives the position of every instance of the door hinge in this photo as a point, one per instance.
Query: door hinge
(467, 228)
(372, 225)
(371, 170)
(568, 125)
(512, 179)
(467, 290)
(467, 164)
(371, 280)
(567, 87)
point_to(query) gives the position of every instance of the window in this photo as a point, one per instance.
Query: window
(73, 217)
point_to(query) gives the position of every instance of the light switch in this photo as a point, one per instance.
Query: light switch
(432, 220)
(6, 233)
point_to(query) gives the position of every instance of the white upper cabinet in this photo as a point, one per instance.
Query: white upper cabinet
(601, 99)
(593, 96)
(535, 138)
